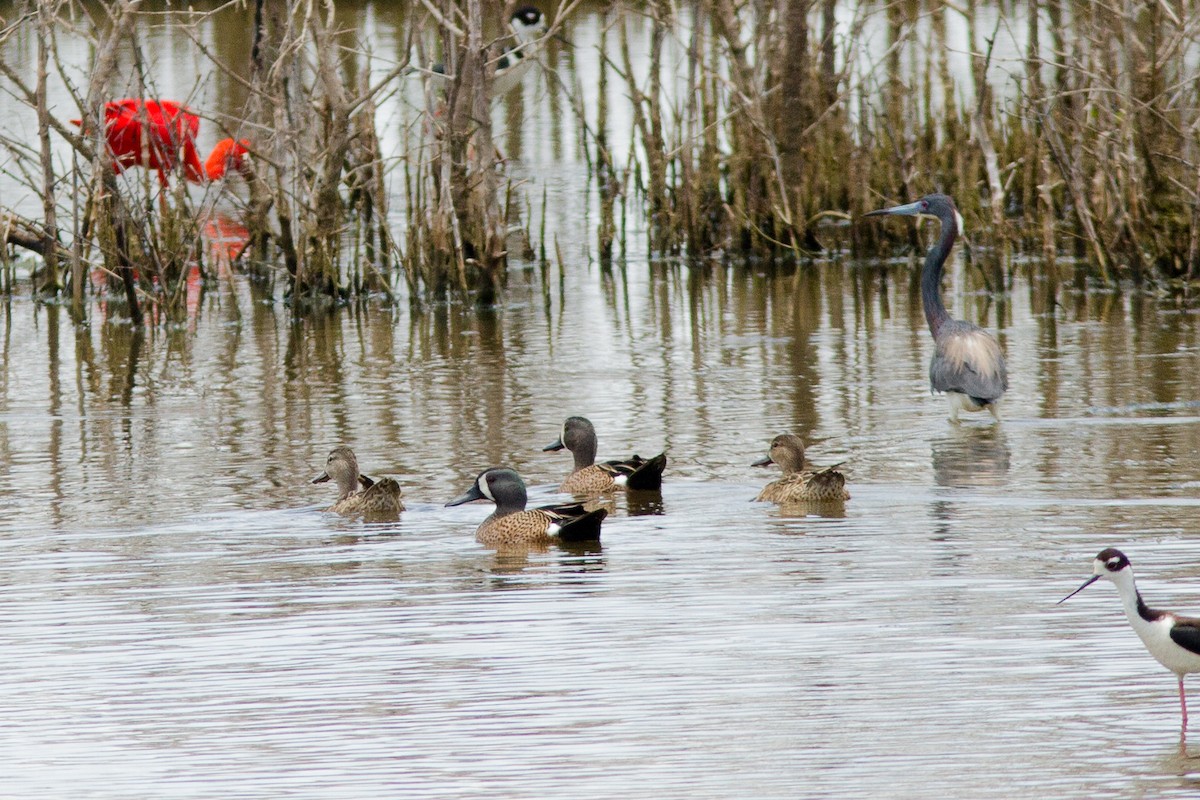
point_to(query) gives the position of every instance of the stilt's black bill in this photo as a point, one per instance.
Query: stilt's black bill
(1086, 584)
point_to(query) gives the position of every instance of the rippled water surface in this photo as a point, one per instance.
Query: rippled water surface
(178, 618)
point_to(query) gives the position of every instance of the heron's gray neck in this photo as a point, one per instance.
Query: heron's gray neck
(931, 276)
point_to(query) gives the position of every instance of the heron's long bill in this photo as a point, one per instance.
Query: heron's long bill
(1086, 584)
(906, 210)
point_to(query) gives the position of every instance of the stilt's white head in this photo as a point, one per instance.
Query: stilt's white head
(1111, 563)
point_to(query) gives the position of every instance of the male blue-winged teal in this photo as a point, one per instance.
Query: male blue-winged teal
(511, 524)
(588, 477)
(797, 484)
(379, 498)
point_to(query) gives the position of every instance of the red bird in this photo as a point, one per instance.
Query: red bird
(160, 135)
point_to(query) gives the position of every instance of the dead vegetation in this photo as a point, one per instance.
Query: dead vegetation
(758, 130)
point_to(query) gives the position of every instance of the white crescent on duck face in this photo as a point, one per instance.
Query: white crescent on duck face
(967, 363)
(512, 525)
(589, 478)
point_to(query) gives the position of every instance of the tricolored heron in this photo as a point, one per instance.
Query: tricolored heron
(967, 364)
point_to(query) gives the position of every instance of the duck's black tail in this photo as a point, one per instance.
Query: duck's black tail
(648, 474)
(579, 525)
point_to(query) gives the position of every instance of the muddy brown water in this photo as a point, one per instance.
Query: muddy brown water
(179, 619)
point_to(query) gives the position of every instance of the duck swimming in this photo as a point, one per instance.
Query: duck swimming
(379, 498)
(589, 478)
(797, 484)
(512, 524)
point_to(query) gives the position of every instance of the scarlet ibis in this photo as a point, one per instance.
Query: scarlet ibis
(160, 135)
(967, 363)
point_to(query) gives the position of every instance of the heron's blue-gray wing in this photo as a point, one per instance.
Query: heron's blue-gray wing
(967, 359)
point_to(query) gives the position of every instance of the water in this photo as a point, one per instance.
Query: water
(179, 619)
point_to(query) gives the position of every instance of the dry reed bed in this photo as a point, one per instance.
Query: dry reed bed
(758, 129)
(796, 114)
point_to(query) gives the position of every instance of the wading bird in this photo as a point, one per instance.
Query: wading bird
(797, 484)
(379, 498)
(528, 23)
(967, 363)
(1174, 641)
(511, 524)
(161, 135)
(588, 477)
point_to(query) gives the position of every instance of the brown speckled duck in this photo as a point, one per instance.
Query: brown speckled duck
(589, 478)
(378, 499)
(511, 524)
(798, 485)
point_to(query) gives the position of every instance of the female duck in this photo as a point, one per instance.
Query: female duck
(590, 478)
(798, 485)
(375, 499)
(511, 524)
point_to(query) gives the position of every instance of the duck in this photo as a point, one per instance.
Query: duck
(797, 484)
(512, 524)
(589, 478)
(376, 498)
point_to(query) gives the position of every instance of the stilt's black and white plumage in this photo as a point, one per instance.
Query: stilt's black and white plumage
(967, 364)
(528, 24)
(1173, 640)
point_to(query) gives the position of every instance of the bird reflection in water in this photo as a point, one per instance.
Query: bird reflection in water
(971, 457)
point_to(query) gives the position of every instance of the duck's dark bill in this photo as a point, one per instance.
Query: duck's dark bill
(471, 494)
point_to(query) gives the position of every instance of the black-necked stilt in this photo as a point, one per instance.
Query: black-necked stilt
(1173, 640)
(528, 23)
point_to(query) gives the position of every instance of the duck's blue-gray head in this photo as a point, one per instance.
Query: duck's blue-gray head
(501, 485)
(577, 434)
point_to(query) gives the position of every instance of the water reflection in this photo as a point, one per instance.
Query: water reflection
(971, 456)
(178, 612)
